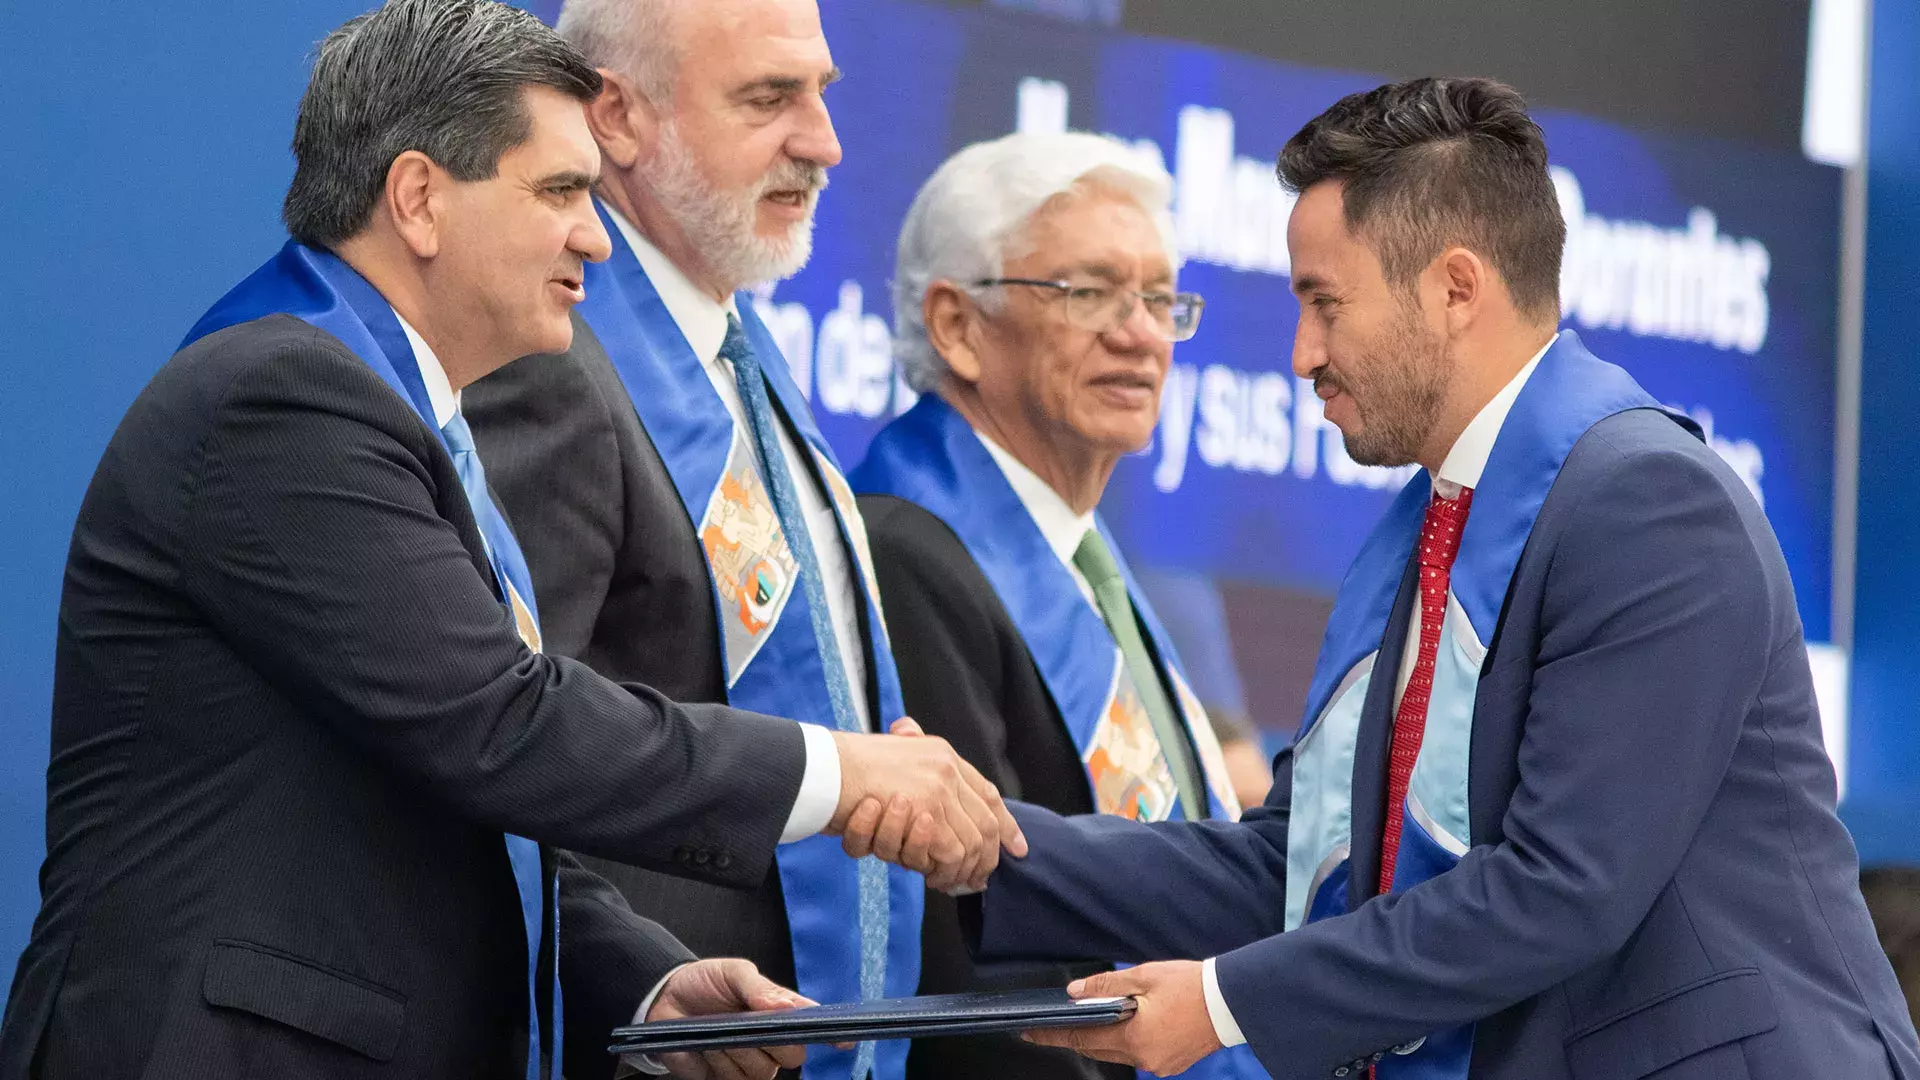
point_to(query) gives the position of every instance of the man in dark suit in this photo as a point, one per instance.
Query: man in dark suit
(687, 526)
(1560, 807)
(307, 757)
(1021, 634)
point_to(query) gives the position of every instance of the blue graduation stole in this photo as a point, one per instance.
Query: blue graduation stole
(321, 290)
(767, 644)
(1568, 393)
(931, 457)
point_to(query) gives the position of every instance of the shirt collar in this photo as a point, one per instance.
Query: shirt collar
(1468, 458)
(1062, 528)
(439, 390)
(702, 319)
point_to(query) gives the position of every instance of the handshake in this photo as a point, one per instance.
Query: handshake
(907, 798)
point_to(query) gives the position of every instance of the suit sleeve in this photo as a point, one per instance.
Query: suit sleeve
(610, 958)
(1097, 886)
(1655, 630)
(316, 548)
(529, 417)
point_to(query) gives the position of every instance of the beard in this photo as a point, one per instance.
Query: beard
(1398, 385)
(724, 226)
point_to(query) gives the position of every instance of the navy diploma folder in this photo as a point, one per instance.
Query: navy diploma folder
(897, 1018)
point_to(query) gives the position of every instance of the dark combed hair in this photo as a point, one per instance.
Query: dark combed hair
(1431, 163)
(444, 77)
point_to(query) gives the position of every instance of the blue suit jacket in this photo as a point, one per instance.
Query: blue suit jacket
(1657, 885)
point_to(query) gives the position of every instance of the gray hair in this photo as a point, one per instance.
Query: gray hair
(631, 37)
(444, 77)
(971, 215)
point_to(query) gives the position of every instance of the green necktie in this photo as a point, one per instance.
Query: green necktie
(1096, 563)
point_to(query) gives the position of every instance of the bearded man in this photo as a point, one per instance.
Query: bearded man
(683, 520)
(1559, 807)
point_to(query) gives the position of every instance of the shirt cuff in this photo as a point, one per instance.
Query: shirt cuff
(642, 1064)
(819, 786)
(1225, 1027)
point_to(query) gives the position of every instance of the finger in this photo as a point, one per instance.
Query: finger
(891, 836)
(761, 994)
(686, 1066)
(1011, 837)
(1132, 981)
(746, 1064)
(928, 834)
(984, 856)
(1081, 1042)
(906, 725)
(857, 837)
(792, 1057)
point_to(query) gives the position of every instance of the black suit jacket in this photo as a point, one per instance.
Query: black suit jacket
(623, 585)
(967, 676)
(291, 722)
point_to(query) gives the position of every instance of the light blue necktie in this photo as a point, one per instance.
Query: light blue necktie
(524, 854)
(793, 522)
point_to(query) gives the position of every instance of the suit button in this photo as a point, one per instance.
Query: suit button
(683, 854)
(702, 857)
(1342, 1071)
(722, 861)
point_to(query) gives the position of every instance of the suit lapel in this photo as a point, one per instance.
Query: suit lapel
(1371, 747)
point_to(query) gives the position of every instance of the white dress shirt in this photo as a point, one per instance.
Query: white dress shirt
(703, 322)
(1059, 525)
(1464, 464)
(439, 390)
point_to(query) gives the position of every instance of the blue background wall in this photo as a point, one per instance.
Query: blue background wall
(145, 158)
(1883, 804)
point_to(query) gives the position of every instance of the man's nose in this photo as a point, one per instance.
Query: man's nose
(1309, 350)
(814, 138)
(589, 238)
(1136, 330)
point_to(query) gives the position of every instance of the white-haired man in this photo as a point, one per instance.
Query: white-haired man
(1036, 309)
(685, 524)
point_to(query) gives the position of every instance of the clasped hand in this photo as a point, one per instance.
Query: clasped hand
(908, 798)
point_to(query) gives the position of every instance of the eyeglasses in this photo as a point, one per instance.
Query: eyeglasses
(1105, 308)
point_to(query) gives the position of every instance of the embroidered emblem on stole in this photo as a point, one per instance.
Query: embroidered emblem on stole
(754, 570)
(522, 616)
(1129, 773)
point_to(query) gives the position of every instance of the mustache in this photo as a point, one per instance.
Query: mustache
(793, 175)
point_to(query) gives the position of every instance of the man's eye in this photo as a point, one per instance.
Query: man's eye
(766, 102)
(1090, 293)
(1157, 301)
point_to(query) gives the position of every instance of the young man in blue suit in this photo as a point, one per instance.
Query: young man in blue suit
(1559, 807)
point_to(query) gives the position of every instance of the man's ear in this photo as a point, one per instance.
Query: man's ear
(1465, 278)
(623, 121)
(412, 201)
(952, 319)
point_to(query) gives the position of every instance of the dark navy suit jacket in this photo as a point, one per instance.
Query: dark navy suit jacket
(1657, 885)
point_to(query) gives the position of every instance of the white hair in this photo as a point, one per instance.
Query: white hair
(971, 215)
(633, 38)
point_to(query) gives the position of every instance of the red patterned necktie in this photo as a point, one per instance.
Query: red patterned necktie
(1439, 543)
